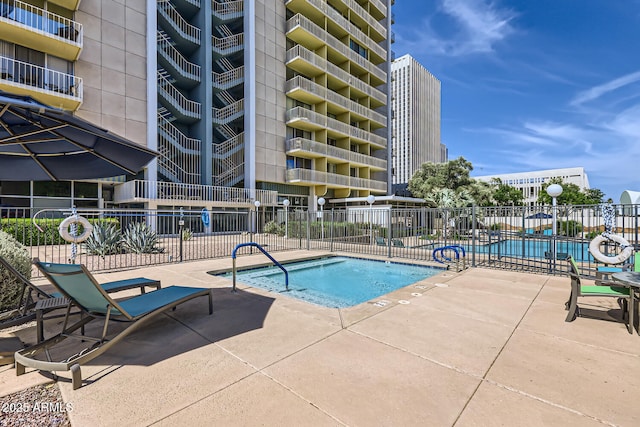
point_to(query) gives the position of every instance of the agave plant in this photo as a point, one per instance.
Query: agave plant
(104, 240)
(139, 238)
(187, 234)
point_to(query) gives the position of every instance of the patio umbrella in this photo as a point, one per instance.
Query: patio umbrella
(42, 143)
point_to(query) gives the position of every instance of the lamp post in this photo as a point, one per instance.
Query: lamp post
(554, 190)
(321, 202)
(371, 199)
(285, 203)
(257, 205)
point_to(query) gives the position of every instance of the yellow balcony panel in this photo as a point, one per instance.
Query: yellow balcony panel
(303, 95)
(302, 66)
(305, 38)
(38, 29)
(67, 4)
(48, 86)
(48, 97)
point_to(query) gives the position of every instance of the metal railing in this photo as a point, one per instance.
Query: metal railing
(514, 238)
(48, 80)
(185, 29)
(21, 13)
(187, 68)
(310, 146)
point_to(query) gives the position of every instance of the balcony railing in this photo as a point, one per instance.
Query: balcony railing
(178, 100)
(228, 113)
(21, 73)
(171, 53)
(332, 152)
(344, 23)
(333, 97)
(300, 113)
(26, 14)
(333, 179)
(371, 21)
(228, 44)
(335, 71)
(309, 26)
(139, 190)
(188, 31)
(228, 79)
(378, 4)
(227, 9)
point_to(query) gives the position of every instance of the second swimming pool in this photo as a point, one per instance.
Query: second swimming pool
(337, 281)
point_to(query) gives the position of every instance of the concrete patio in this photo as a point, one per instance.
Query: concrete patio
(476, 348)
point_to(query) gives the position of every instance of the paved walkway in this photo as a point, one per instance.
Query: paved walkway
(477, 348)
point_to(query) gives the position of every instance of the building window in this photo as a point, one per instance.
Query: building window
(358, 49)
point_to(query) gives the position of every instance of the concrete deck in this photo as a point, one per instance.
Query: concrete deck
(476, 348)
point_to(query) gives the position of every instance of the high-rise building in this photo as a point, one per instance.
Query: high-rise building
(274, 98)
(416, 118)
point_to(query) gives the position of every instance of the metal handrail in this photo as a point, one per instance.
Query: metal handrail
(253, 244)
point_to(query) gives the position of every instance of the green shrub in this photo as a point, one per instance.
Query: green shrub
(105, 239)
(187, 234)
(569, 228)
(16, 255)
(272, 227)
(139, 238)
(25, 232)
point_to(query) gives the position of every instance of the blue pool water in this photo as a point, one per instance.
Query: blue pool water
(337, 281)
(532, 248)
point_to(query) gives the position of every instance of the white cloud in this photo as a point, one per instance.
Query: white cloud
(478, 26)
(600, 90)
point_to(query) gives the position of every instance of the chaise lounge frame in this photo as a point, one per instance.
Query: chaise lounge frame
(137, 310)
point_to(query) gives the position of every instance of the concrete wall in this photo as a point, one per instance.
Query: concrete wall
(113, 66)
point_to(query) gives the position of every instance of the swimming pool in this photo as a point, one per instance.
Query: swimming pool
(337, 281)
(533, 248)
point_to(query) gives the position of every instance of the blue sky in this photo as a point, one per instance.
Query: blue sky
(534, 84)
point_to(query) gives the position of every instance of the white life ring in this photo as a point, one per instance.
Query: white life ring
(594, 248)
(63, 229)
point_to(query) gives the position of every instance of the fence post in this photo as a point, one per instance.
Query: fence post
(390, 213)
(473, 235)
(308, 229)
(331, 232)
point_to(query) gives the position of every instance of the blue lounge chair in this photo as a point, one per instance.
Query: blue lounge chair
(77, 284)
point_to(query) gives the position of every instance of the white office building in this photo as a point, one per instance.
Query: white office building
(530, 183)
(416, 118)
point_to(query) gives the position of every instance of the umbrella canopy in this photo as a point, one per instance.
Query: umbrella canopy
(42, 143)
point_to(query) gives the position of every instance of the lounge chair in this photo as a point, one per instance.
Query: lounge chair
(34, 302)
(380, 241)
(398, 243)
(609, 289)
(77, 284)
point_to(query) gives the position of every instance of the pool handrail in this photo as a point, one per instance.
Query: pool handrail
(455, 249)
(254, 244)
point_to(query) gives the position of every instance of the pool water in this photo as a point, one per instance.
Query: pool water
(337, 281)
(531, 248)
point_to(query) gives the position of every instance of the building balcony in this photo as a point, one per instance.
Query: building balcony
(303, 31)
(302, 60)
(67, 4)
(367, 18)
(228, 10)
(178, 194)
(379, 10)
(301, 118)
(332, 180)
(38, 29)
(302, 147)
(311, 93)
(50, 87)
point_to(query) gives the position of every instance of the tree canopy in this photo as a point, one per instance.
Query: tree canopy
(450, 185)
(571, 194)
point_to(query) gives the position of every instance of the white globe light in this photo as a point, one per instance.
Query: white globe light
(554, 190)
(256, 204)
(285, 202)
(371, 199)
(321, 201)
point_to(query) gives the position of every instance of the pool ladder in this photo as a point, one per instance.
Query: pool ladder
(446, 260)
(241, 245)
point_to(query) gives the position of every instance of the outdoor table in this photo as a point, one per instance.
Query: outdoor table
(631, 280)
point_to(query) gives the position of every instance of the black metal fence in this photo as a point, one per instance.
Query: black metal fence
(511, 237)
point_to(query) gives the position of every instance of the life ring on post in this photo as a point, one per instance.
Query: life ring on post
(594, 248)
(63, 229)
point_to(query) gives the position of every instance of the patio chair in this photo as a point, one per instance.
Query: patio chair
(604, 272)
(608, 289)
(380, 241)
(398, 243)
(34, 302)
(77, 284)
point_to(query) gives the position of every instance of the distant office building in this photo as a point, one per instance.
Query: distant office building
(416, 118)
(530, 183)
